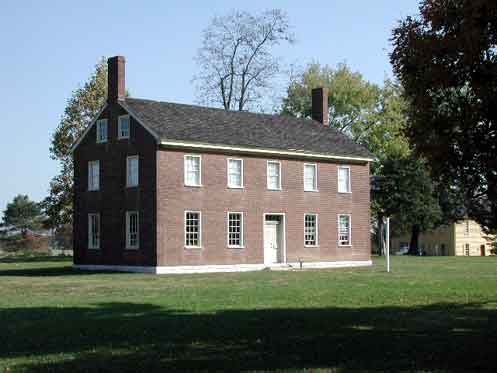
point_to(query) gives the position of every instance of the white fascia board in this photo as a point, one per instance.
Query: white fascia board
(241, 149)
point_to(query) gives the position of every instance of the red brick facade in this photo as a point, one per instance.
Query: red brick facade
(162, 198)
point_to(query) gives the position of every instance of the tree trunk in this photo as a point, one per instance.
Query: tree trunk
(414, 244)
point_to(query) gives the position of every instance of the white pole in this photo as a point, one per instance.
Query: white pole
(387, 234)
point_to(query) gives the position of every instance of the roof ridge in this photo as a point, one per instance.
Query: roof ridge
(310, 120)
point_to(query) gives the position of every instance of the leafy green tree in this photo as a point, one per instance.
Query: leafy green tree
(23, 214)
(351, 98)
(446, 60)
(406, 193)
(81, 109)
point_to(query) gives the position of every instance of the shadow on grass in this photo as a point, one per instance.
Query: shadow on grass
(124, 337)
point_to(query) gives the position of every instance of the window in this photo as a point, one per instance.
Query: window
(235, 173)
(94, 231)
(466, 249)
(310, 177)
(93, 175)
(344, 231)
(102, 130)
(466, 228)
(192, 229)
(192, 170)
(123, 127)
(344, 179)
(132, 230)
(235, 229)
(273, 175)
(132, 171)
(310, 230)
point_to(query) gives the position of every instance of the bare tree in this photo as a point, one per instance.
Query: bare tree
(236, 60)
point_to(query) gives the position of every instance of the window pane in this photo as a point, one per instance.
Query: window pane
(132, 229)
(93, 175)
(124, 126)
(310, 230)
(192, 229)
(310, 177)
(102, 130)
(343, 179)
(344, 230)
(235, 172)
(235, 229)
(273, 175)
(192, 170)
(93, 231)
(132, 177)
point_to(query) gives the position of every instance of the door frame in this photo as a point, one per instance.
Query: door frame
(283, 234)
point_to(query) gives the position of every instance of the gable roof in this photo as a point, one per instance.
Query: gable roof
(173, 122)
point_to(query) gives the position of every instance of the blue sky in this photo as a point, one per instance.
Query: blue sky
(50, 47)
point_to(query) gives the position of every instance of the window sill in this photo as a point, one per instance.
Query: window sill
(274, 189)
(93, 190)
(344, 245)
(311, 246)
(236, 247)
(94, 248)
(193, 247)
(235, 187)
(123, 138)
(193, 186)
(311, 190)
(101, 141)
(344, 192)
(132, 186)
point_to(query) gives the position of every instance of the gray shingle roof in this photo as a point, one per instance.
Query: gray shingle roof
(189, 123)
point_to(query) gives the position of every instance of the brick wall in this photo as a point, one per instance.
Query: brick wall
(114, 199)
(214, 199)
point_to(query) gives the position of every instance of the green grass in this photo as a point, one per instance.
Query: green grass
(430, 314)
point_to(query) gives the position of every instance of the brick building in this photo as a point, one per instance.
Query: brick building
(172, 188)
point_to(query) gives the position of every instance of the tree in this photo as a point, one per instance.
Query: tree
(81, 109)
(23, 214)
(350, 101)
(446, 60)
(405, 191)
(236, 59)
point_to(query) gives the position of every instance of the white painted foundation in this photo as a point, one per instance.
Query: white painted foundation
(221, 268)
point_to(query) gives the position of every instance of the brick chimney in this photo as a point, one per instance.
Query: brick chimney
(320, 105)
(116, 79)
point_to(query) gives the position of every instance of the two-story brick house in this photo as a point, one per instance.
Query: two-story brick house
(171, 188)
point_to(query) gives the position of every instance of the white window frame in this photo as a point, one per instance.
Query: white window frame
(128, 233)
(199, 246)
(349, 244)
(91, 233)
(349, 186)
(228, 173)
(242, 241)
(199, 170)
(92, 186)
(316, 230)
(119, 126)
(100, 122)
(279, 175)
(466, 227)
(128, 176)
(315, 187)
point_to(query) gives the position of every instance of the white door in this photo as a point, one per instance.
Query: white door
(271, 242)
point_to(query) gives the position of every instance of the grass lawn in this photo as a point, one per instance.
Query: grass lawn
(435, 313)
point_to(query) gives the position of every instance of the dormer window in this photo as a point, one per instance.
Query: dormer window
(123, 127)
(102, 130)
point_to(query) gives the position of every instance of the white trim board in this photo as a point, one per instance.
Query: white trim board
(247, 150)
(221, 268)
(87, 129)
